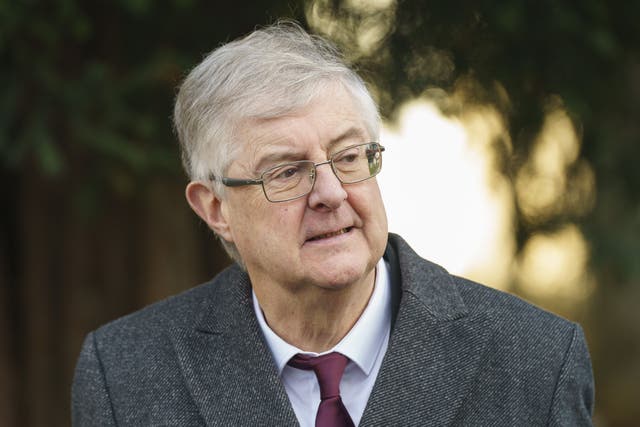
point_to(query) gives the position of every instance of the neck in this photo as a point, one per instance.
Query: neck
(316, 319)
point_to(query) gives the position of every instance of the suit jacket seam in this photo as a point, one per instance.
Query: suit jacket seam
(104, 378)
(565, 362)
(172, 338)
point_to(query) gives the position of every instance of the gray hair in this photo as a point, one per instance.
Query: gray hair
(267, 74)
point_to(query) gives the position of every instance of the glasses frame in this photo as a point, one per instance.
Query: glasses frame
(241, 182)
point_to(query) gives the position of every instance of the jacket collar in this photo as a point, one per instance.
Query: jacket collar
(434, 351)
(228, 306)
(225, 361)
(429, 283)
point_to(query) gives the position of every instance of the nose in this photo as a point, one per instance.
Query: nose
(328, 192)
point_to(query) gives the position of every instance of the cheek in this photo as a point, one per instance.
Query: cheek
(368, 203)
(245, 214)
(281, 222)
(287, 219)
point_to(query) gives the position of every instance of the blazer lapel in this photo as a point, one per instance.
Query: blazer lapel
(435, 348)
(434, 353)
(226, 364)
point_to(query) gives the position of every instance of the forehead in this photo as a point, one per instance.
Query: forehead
(327, 123)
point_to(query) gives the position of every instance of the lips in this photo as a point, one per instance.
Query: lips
(331, 234)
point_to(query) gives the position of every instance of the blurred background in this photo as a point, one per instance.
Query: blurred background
(513, 143)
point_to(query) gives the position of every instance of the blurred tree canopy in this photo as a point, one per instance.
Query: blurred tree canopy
(87, 92)
(91, 85)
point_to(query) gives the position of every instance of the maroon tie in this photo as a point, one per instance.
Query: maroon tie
(328, 369)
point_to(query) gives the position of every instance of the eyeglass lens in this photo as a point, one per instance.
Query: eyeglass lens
(292, 180)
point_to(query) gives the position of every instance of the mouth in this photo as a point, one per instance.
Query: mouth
(332, 234)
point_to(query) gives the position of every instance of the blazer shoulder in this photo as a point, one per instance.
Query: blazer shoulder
(177, 311)
(519, 326)
(129, 365)
(504, 305)
(448, 296)
(524, 365)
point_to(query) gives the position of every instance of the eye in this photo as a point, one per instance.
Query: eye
(348, 156)
(283, 172)
(289, 172)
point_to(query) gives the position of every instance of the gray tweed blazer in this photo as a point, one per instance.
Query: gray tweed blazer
(460, 354)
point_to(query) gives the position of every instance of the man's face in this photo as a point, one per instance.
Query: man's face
(331, 238)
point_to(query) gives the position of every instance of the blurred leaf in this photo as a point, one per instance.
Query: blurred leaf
(48, 154)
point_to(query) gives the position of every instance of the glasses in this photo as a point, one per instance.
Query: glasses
(289, 181)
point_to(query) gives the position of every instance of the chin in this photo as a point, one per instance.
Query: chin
(335, 277)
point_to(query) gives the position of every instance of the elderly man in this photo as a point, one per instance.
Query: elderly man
(325, 319)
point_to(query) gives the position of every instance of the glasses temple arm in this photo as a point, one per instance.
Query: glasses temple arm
(235, 182)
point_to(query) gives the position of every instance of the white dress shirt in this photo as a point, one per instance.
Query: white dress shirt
(365, 345)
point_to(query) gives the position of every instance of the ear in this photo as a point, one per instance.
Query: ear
(209, 207)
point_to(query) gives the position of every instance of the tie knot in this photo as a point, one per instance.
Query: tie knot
(328, 369)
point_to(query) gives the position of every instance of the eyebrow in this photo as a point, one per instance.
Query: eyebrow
(275, 158)
(351, 133)
(288, 154)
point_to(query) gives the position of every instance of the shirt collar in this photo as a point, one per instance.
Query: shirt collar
(361, 344)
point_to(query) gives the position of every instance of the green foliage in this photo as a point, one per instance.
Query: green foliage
(87, 87)
(585, 53)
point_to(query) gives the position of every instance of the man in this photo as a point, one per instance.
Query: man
(325, 319)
